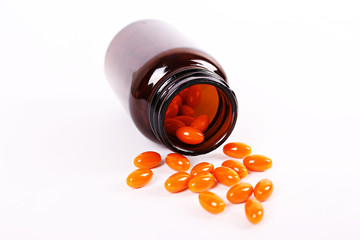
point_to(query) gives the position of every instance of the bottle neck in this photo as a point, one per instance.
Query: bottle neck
(222, 124)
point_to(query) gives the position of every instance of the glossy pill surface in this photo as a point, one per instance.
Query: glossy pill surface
(254, 210)
(257, 163)
(201, 182)
(177, 162)
(239, 193)
(189, 135)
(211, 202)
(177, 182)
(237, 166)
(148, 159)
(177, 100)
(226, 176)
(263, 189)
(237, 150)
(171, 111)
(193, 96)
(139, 178)
(171, 125)
(201, 123)
(202, 167)
(186, 110)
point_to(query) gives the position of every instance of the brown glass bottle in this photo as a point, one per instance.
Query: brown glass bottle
(148, 63)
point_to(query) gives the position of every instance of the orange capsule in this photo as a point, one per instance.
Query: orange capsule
(171, 125)
(201, 123)
(147, 160)
(193, 96)
(254, 210)
(177, 182)
(239, 193)
(202, 167)
(183, 92)
(139, 178)
(237, 167)
(263, 189)
(201, 182)
(172, 111)
(237, 150)
(190, 135)
(177, 100)
(226, 176)
(177, 162)
(186, 110)
(187, 120)
(211, 202)
(257, 163)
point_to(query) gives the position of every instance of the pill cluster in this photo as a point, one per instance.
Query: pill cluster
(204, 176)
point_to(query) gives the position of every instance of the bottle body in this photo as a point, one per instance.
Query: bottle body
(148, 64)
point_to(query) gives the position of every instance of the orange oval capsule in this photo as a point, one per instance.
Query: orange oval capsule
(226, 176)
(193, 96)
(257, 163)
(211, 202)
(190, 135)
(201, 182)
(263, 189)
(177, 182)
(254, 210)
(171, 125)
(239, 193)
(201, 123)
(147, 160)
(185, 119)
(177, 100)
(237, 167)
(139, 178)
(186, 110)
(177, 162)
(172, 111)
(202, 167)
(237, 150)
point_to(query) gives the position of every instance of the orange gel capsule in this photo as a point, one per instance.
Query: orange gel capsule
(202, 167)
(237, 150)
(201, 182)
(193, 96)
(139, 178)
(257, 163)
(186, 110)
(190, 135)
(177, 182)
(177, 100)
(237, 167)
(177, 162)
(171, 125)
(254, 210)
(187, 120)
(172, 111)
(147, 160)
(226, 176)
(239, 193)
(211, 202)
(263, 189)
(201, 123)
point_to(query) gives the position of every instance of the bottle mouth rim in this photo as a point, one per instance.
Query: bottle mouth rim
(174, 85)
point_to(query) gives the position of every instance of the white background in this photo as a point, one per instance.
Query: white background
(67, 145)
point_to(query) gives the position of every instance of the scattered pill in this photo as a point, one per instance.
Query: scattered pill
(177, 182)
(237, 150)
(177, 162)
(257, 163)
(254, 210)
(263, 189)
(226, 176)
(139, 178)
(239, 168)
(202, 167)
(147, 160)
(211, 202)
(201, 123)
(201, 182)
(239, 193)
(189, 135)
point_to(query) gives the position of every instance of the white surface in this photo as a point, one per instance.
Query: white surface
(66, 144)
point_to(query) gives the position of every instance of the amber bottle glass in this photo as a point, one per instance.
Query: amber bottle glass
(148, 63)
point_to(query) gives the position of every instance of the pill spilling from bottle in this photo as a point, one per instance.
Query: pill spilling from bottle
(203, 178)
